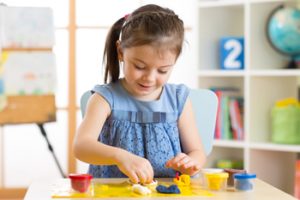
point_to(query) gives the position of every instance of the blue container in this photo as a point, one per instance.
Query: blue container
(243, 181)
(232, 53)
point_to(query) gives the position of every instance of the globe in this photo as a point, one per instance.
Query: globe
(283, 32)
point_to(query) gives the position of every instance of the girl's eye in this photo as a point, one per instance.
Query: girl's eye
(162, 71)
(138, 67)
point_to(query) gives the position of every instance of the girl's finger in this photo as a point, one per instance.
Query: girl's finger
(150, 174)
(168, 163)
(194, 169)
(197, 167)
(179, 157)
(147, 176)
(188, 164)
(142, 177)
(133, 177)
(184, 160)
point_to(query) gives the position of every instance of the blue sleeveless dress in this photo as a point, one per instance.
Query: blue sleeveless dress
(145, 128)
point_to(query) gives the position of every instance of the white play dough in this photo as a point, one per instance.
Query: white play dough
(137, 188)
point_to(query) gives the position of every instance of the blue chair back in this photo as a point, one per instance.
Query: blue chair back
(205, 104)
(83, 101)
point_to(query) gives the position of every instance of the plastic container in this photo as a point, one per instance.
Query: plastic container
(205, 171)
(80, 182)
(216, 181)
(243, 182)
(231, 172)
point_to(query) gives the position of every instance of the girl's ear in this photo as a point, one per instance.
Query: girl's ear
(119, 50)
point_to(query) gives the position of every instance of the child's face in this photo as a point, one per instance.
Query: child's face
(146, 69)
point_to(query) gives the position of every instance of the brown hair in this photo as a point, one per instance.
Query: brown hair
(149, 24)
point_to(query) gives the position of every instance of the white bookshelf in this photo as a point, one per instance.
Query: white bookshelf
(262, 82)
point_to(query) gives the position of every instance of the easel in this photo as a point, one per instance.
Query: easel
(37, 109)
(41, 126)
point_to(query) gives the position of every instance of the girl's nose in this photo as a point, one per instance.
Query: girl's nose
(150, 76)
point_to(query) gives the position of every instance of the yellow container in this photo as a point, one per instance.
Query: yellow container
(205, 171)
(217, 181)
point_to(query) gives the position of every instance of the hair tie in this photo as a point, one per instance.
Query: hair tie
(126, 16)
(125, 21)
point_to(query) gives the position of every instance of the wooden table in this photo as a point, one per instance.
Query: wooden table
(41, 190)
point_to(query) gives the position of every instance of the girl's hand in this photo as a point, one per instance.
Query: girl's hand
(138, 169)
(184, 163)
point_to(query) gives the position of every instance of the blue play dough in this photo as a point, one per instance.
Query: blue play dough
(172, 189)
(244, 185)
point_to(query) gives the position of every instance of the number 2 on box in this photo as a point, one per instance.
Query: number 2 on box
(231, 60)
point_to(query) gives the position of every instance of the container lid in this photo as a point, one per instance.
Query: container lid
(217, 175)
(211, 170)
(80, 176)
(244, 176)
(234, 171)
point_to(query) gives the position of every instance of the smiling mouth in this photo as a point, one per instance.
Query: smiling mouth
(145, 86)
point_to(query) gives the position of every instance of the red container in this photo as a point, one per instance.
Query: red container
(80, 182)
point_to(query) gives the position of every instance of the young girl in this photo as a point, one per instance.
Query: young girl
(147, 127)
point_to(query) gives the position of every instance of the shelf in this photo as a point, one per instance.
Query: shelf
(275, 147)
(221, 153)
(222, 81)
(219, 3)
(262, 56)
(229, 143)
(242, 73)
(221, 73)
(263, 81)
(279, 72)
(265, 1)
(218, 23)
(265, 91)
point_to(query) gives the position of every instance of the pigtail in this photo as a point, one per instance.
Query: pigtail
(110, 55)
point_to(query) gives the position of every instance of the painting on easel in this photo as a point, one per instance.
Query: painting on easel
(27, 65)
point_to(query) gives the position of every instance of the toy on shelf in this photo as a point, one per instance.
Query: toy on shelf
(232, 53)
(282, 30)
(285, 121)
